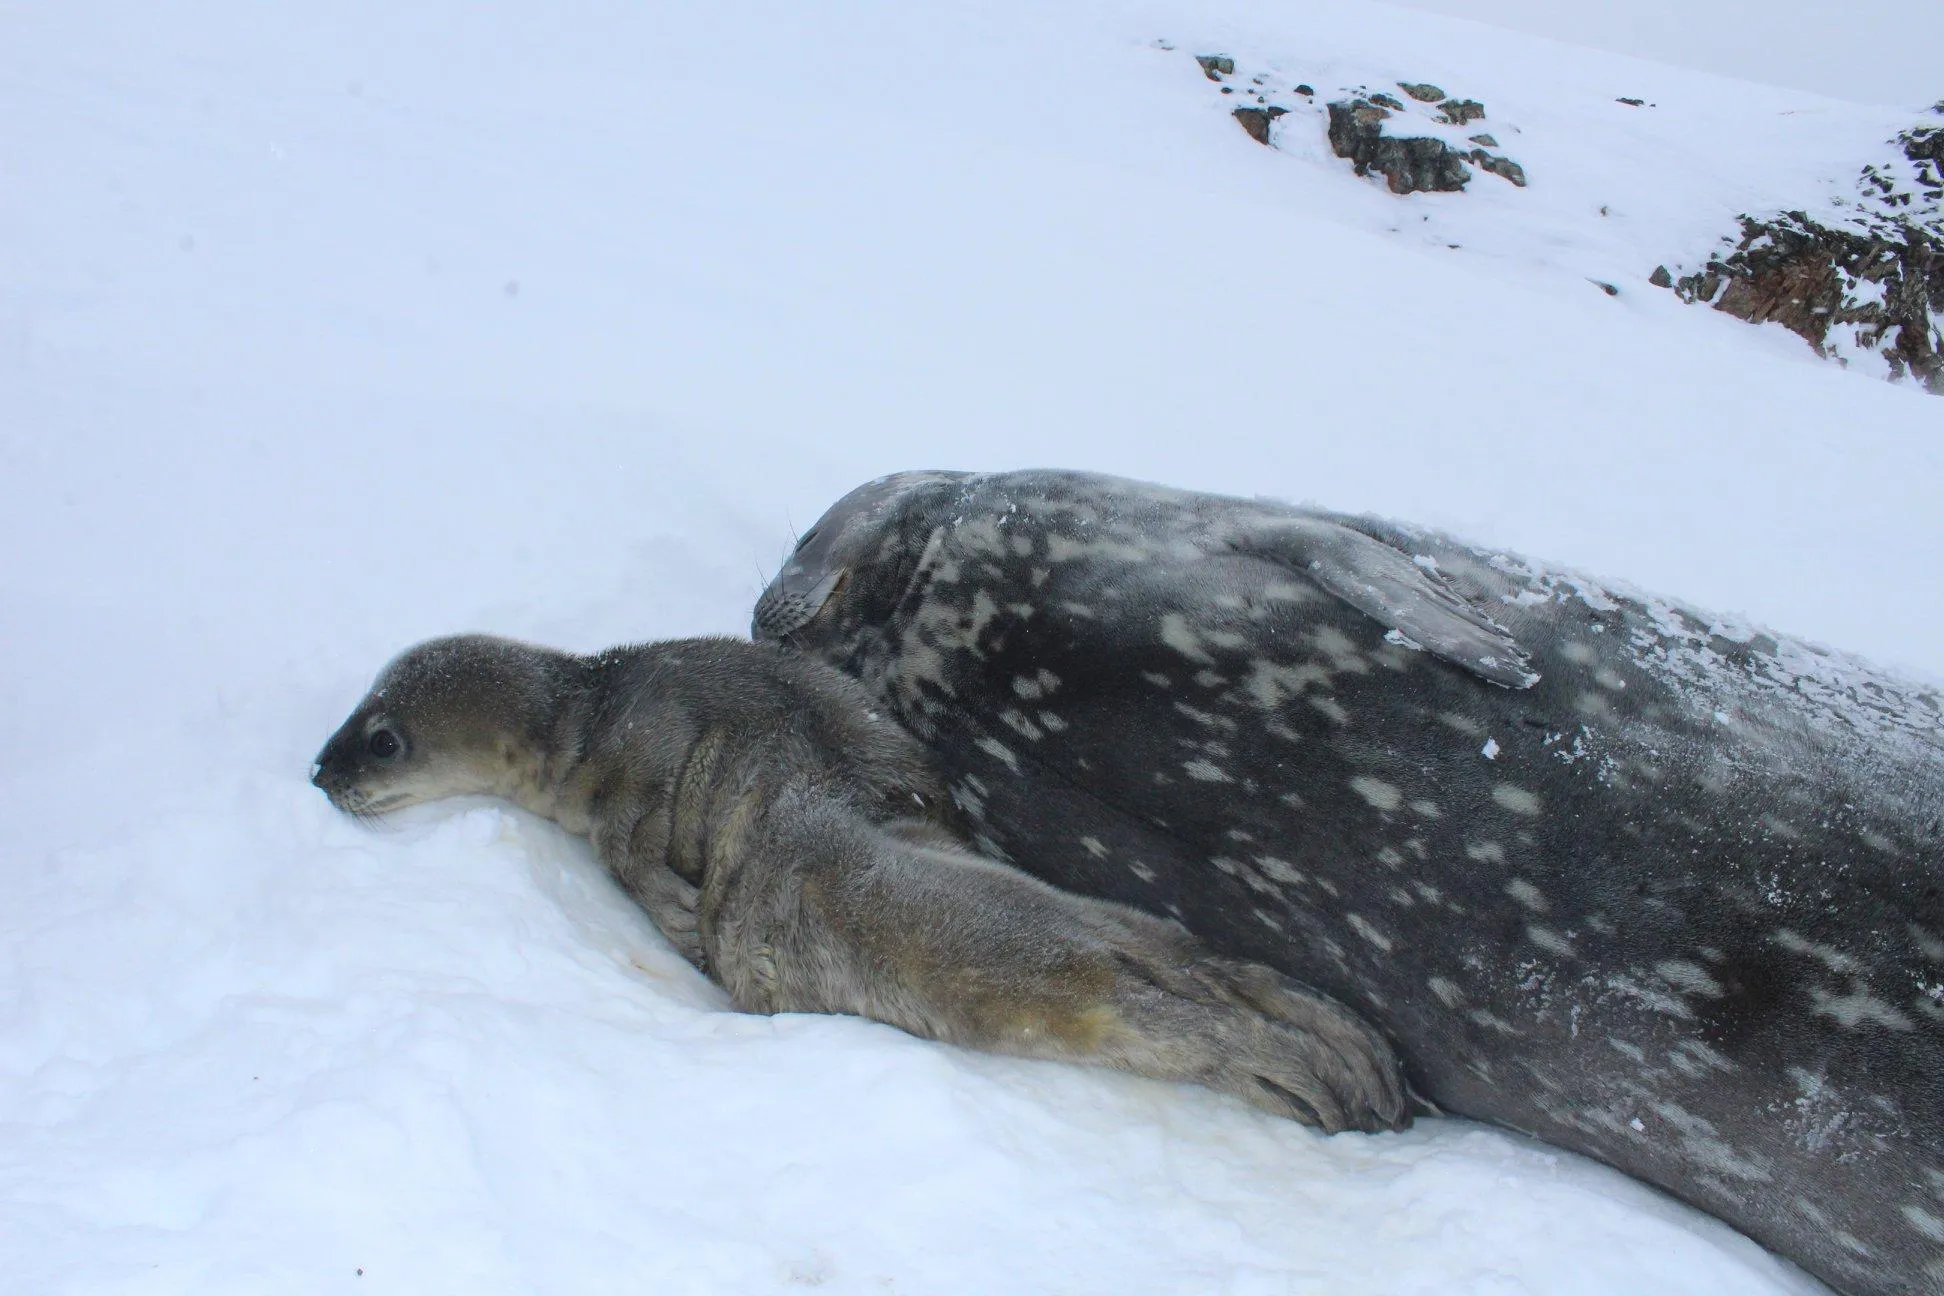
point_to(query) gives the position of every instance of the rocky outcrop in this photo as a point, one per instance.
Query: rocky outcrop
(1409, 164)
(1256, 121)
(1418, 152)
(1414, 163)
(1502, 167)
(1859, 275)
(1862, 283)
(1412, 152)
(1842, 292)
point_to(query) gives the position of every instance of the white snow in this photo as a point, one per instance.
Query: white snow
(1864, 292)
(1810, 47)
(325, 329)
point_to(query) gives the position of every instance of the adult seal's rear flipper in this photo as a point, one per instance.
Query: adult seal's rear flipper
(1393, 588)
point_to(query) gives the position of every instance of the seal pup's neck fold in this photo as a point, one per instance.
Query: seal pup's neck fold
(540, 757)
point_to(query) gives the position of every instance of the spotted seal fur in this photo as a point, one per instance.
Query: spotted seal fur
(789, 840)
(1648, 885)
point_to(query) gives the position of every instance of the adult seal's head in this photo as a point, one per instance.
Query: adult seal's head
(450, 717)
(865, 548)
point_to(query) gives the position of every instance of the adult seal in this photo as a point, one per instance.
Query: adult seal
(792, 842)
(1650, 886)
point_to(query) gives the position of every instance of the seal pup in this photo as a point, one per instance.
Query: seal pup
(1651, 886)
(791, 842)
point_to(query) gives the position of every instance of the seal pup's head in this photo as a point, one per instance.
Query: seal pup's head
(874, 536)
(448, 717)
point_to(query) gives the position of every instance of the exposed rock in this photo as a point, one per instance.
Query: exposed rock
(1610, 290)
(1866, 279)
(1428, 159)
(1410, 165)
(1840, 290)
(1924, 147)
(1256, 121)
(1503, 167)
(1632, 103)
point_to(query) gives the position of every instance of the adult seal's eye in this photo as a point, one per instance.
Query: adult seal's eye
(384, 744)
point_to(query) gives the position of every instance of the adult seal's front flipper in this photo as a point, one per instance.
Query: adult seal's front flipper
(1399, 591)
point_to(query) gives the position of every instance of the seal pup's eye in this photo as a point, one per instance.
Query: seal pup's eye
(384, 744)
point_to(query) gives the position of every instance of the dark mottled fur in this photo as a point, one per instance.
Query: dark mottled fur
(1608, 870)
(787, 837)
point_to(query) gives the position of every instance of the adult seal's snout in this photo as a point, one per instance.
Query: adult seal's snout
(1652, 886)
(792, 600)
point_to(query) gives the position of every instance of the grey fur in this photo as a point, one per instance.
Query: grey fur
(789, 839)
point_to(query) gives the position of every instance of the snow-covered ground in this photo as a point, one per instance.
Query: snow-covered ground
(326, 328)
(1871, 51)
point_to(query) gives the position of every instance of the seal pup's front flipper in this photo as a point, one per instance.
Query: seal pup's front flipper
(671, 902)
(1391, 587)
(913, 929)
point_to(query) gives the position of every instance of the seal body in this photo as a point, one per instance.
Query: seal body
(1649, 886)
(791, 840)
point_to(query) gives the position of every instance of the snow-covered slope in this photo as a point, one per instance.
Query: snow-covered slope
(1606, 173)
(324, 330)
(1870, 51)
